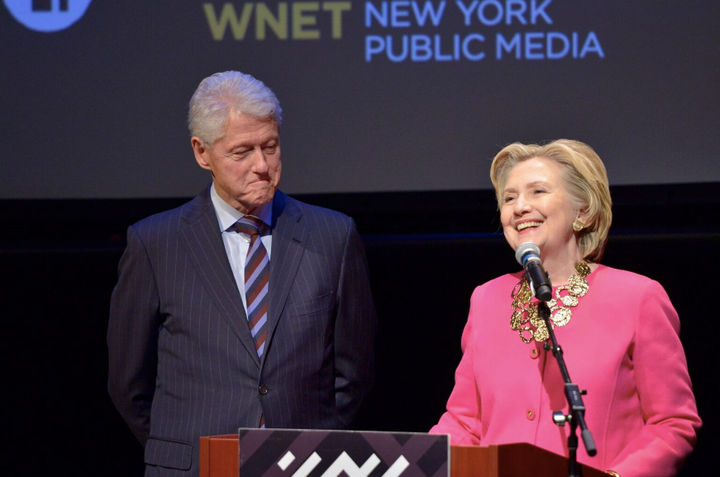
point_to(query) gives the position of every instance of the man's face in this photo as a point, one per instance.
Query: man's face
(245, 162)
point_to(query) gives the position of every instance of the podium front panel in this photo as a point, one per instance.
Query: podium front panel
(317, 453)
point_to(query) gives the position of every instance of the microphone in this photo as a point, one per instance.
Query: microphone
(528, 255)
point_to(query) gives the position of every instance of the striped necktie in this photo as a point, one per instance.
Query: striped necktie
(257, 277)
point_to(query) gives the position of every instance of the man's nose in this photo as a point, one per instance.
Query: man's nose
(260, 164)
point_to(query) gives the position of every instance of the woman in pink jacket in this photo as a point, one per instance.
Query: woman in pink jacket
(618, 330)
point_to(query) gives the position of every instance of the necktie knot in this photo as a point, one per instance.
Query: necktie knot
(251, 226)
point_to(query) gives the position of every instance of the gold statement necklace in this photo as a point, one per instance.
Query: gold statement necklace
(525, 319)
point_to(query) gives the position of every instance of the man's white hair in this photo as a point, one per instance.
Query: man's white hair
(229, 92)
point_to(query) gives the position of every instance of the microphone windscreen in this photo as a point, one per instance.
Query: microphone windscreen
(524, 249)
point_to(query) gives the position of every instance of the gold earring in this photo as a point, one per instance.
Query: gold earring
(577, 226)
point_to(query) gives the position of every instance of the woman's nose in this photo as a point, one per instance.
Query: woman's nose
(522, 206)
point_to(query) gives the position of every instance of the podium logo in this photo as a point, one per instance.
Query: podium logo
(47, 15)
(343, 465)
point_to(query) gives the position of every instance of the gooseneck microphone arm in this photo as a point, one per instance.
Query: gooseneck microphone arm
(573, 394)
(528, 255)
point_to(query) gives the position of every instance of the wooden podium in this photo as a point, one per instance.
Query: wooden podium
(219, 457)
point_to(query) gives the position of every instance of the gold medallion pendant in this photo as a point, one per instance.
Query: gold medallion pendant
(525, 319)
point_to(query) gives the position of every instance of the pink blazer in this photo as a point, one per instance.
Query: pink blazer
(622, 345)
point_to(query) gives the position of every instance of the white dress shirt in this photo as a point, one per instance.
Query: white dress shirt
(237, 244)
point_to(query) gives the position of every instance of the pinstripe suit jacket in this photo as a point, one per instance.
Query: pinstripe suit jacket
(182, 360)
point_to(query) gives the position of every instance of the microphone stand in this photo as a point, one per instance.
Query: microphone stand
(576, 416)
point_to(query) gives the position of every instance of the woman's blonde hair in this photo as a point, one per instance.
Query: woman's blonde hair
(584, 178)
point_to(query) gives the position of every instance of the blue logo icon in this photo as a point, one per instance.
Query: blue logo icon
(47, 15)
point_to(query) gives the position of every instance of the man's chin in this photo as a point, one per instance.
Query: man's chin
(256, 201)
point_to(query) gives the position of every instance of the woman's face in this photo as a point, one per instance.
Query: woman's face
(535, 207)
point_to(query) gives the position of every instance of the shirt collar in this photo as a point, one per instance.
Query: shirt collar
(227, 215)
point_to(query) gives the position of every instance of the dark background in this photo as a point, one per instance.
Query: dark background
(98, 110)
(426, 252)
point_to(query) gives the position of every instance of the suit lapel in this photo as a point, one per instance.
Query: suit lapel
(202, 237)
(289, 240)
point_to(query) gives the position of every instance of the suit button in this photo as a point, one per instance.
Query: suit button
(534, 353)
(530, 415)
(263, 390)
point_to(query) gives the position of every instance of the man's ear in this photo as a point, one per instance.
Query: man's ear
(201, 152)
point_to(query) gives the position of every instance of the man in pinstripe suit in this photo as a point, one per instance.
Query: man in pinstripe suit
(183, 359)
